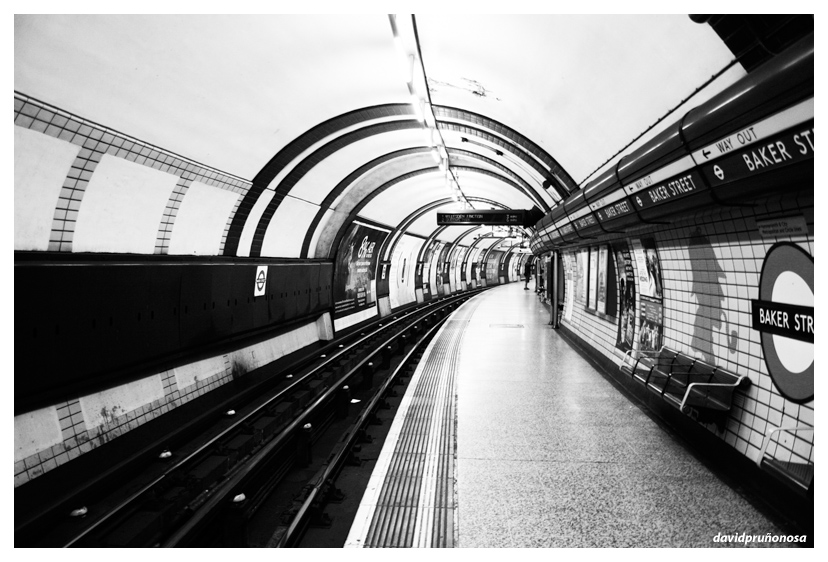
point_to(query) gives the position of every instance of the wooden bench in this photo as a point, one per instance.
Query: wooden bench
(797, 475)
(694, 387)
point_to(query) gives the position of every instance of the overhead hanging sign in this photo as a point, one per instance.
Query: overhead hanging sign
(490, 216)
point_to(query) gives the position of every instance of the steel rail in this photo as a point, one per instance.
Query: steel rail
(232, 485)
(335, 463)
(239, 421)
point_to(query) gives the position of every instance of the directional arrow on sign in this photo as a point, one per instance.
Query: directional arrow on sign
(705, 153)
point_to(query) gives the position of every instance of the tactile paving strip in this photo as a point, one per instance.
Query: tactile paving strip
(409, 501)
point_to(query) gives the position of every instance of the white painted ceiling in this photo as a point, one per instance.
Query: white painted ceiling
(232, 91)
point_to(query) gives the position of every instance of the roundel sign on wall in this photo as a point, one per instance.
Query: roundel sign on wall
(784, 314)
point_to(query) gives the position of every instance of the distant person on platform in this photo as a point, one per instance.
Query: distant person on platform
(527, 272)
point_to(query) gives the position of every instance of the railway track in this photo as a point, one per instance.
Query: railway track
(207, 490)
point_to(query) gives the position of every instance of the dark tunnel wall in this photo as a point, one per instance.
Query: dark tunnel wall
(120, 321)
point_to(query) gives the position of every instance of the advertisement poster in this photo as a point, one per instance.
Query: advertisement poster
(456, 266)
(569, 285)
(472, 266)
(426, 273)
(626, 298)
(481, 267)
(593, 278)
(649, 269)
(650, 289)
(441, 265)
(651, 330)
(580, 275)
(356, 262)
(602, 280)
(492, 266)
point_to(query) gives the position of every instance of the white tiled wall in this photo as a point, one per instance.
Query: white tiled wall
(90, 143)
(734, 268)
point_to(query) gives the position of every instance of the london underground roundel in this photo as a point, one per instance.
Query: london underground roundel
(784, 314)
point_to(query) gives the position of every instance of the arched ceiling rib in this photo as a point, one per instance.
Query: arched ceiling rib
(514, 181)
(520, 147)
(507, 171)
(538, 100)
(561, 180)
(326, 242)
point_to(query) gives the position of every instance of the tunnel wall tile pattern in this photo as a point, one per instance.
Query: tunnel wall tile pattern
(738, 253)
(95, 141)
(78, 439)
(162, 244)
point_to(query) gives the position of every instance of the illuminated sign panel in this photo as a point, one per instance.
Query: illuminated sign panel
(493, 217)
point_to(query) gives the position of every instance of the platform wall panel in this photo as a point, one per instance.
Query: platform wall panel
(85, 327)
(711, 264)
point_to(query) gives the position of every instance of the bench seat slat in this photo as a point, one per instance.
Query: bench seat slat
(684, 381)
(658, 381)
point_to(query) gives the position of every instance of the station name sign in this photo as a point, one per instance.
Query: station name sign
(493, 217)
(674, 188)
(784, 317)
(792, 321)
(614, 211)
(788, 148)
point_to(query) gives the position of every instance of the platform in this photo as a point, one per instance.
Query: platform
(507, 437)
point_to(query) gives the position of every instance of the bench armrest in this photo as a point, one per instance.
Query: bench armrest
(767, 439)
(690, 386)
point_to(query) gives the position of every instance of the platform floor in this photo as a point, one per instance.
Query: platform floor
(544, 451)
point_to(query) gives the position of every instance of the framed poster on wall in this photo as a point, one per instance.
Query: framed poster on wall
(581, 276)
(592, 301)
(356, 264)
(626, 297)
(569, 286)
(649, 269)
(650, 327)
(602, 280)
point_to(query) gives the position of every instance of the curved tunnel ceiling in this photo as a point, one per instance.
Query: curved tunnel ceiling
(315, 112)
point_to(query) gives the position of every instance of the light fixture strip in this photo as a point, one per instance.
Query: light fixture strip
(423, 109)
